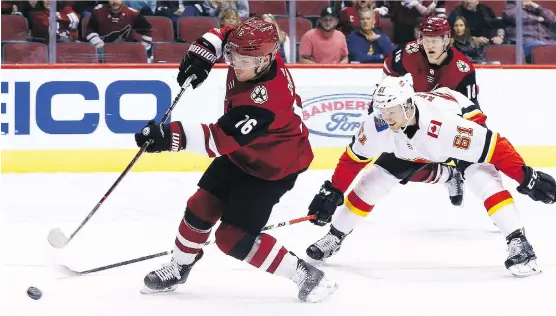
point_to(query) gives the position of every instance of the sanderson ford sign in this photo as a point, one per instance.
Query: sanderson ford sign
(335, 115)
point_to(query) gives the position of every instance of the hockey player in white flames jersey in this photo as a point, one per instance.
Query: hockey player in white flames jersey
(429, 127)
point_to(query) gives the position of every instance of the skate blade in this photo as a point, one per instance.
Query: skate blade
(525, 270)
(315, 262)
(146, 290)
(325, 288)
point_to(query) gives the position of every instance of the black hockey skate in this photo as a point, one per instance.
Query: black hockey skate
(455, 188)
(522, 261)
(327, 245)
(168, 277)
(313, 285)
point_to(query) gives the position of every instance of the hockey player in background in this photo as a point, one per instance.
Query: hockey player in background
(428, 127)
(260, 146)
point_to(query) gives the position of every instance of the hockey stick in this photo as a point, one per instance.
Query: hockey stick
(67, 271)
(55, 237)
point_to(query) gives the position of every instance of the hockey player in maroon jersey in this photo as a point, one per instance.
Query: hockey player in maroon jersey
(260, 146)
(116, 22)
(434, 63)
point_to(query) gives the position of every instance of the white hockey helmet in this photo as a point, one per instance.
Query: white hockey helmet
(393, 91)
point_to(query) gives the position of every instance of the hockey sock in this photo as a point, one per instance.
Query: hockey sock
(501, 209)
(203, 211)
(486, 183)
(268, 255)
(352, 212)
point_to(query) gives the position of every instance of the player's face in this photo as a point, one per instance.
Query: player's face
(393, 116)
(245, 67)
(434, 46)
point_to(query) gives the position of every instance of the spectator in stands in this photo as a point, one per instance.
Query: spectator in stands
(116, 22)
(284, 48)
(407, 14)
(536, 25)
(366, 44)
(470, 46)
(177, 9)
(145, 7)
(349, 15)
(67, 22)
(229, 17)
(324, 44)
(213, 8)
(483, 24)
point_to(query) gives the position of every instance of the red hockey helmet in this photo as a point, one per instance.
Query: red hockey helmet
(435, 26)
(253, 38)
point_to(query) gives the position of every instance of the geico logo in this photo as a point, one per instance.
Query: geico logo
(25, 121)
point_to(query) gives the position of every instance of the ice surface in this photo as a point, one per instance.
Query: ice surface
(414, 255)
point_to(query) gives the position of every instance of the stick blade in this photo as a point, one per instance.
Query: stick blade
(65, 270)
(57, 239)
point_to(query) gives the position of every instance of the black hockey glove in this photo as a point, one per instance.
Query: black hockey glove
(164, 137)
(538, 185)
(325, 203)
(197, 62)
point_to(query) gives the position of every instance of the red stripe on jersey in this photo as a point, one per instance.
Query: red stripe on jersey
(277, 260)
(265, 246)
(191, 234)
(206, 130)
(496, 198)
(186, 249)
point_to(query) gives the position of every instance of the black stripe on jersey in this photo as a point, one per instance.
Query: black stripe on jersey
(397, 61)
(487, 146)
(470, 109)
(356, 155)
(246, 123)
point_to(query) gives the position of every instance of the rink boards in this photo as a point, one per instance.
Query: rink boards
(83, 119)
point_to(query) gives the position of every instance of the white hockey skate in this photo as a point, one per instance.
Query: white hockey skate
(455, 188)
(522, 261)
(313, 285)
(327, 246)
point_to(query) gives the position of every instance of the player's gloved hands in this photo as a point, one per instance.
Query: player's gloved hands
(197, 62)
(164, 137)
(538, 185)
(325, 203)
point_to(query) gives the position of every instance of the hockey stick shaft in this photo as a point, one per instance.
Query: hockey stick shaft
(164, 253)
(131, 164)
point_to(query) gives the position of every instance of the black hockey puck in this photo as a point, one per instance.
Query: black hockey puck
(34, 293)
